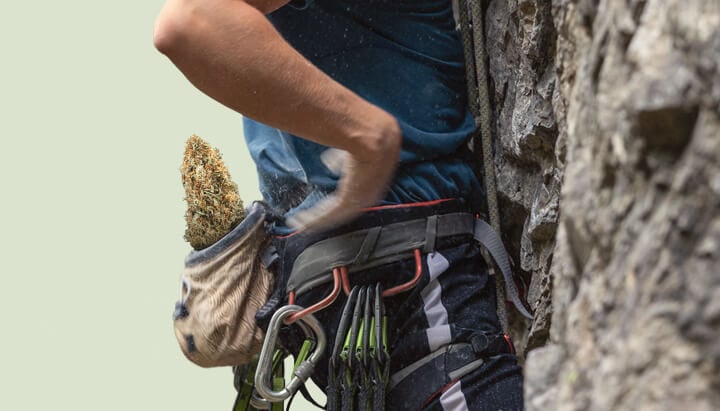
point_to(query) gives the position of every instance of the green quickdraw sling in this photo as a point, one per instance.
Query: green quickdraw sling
(359, 365)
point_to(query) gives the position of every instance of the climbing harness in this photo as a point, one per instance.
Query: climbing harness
(368, 248)
(358, 374)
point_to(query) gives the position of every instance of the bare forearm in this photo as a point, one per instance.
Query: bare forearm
(229, 50)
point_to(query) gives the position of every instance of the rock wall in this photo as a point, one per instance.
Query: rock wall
(608, 157)
(530, 148)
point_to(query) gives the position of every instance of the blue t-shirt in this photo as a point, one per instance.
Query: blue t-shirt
(402, 55)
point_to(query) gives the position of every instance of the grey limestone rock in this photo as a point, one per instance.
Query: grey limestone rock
(607, 116)
(528, 155)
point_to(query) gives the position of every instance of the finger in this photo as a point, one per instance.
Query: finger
(334, 159)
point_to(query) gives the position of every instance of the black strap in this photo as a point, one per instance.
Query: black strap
(332, 391)
(379, 378)
(363, 398)
(348, 397)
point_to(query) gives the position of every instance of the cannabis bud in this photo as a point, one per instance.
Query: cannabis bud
(214, 206)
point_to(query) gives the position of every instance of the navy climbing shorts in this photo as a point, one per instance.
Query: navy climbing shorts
(446, 347)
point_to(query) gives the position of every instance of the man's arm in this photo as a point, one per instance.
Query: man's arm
(230, 51)
(267, 6)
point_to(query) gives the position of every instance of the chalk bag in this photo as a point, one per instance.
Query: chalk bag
(222, 288)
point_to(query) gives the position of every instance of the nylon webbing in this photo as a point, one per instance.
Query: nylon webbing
(485, 235)
(359, 366)
(391, 245)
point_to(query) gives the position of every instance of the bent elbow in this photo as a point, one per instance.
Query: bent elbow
(179, 22)
(168, 34)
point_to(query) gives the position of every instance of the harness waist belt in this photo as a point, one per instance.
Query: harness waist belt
(364, 249)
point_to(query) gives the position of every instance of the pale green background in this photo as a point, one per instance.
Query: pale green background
(93, 122)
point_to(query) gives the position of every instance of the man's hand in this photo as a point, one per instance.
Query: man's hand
(363, 182)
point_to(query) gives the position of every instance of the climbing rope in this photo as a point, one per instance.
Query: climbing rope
(471, 29)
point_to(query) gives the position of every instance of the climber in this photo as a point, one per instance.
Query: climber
(356, 116)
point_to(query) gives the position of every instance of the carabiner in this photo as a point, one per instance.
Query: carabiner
(343, 326)
(263, 376)
(381, 338)
(337, 365)
(362, 347)
(380, 370)
(258, 403)
(348, 353)
(363, 342)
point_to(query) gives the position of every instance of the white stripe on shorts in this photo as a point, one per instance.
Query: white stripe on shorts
(438, 332)
(437, 264)
(453, 399)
